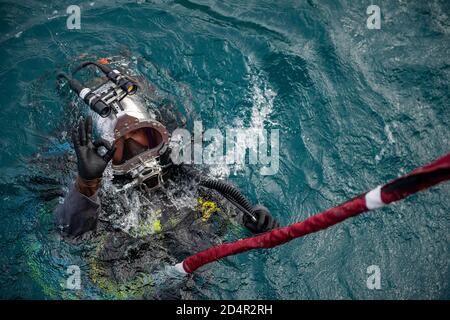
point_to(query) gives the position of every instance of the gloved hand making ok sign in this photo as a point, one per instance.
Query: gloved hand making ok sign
(90, 163)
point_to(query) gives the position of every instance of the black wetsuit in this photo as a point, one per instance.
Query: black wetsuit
(127, 259)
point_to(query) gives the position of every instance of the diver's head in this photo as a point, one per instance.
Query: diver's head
(139, 139)
(123, 119)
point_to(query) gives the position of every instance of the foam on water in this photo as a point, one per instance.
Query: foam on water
(262, 99)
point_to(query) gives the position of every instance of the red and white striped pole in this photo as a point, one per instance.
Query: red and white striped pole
(417, 180)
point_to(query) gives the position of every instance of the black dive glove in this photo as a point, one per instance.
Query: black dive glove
(90, 164)
(264, 221)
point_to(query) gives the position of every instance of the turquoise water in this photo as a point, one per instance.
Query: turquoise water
(355, 107)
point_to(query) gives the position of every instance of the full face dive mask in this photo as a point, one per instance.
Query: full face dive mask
(123, 120)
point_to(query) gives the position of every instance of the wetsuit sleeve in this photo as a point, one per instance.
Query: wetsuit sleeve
(78, 213)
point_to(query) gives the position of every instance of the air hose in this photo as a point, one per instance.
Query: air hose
(232, 194)
(89, 63)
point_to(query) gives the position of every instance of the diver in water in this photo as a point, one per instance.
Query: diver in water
(81, 207)
(137, 145)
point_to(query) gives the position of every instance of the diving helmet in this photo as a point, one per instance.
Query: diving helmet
(122, 119)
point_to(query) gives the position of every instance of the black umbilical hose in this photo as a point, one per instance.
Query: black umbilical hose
(232, 194)
(74, 84)
(62, 75)
(104, 69)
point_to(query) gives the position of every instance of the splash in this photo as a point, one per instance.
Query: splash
(140, 212)
(262, 96)
(390, 141)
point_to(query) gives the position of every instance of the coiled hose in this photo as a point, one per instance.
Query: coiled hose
(232, 194)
